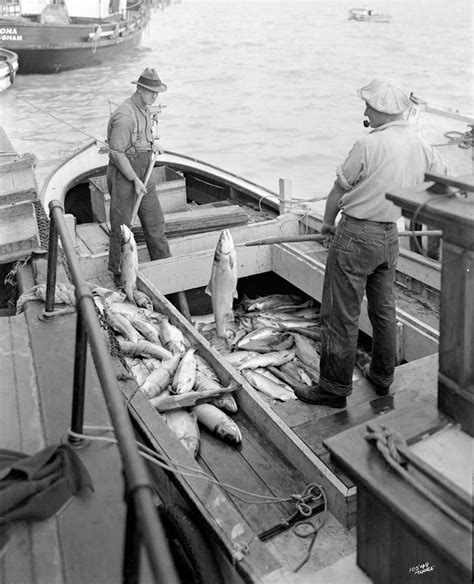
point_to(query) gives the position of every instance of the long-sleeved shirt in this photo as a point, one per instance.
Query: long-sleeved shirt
(391, 157)
(129, 131)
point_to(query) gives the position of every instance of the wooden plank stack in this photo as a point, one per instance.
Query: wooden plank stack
(18, 227)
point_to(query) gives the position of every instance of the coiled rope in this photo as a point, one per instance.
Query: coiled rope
(389, 443)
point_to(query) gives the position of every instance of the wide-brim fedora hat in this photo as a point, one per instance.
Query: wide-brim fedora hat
(150, 80)
(384, 96)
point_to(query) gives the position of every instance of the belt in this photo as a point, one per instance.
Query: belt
(388, 223)
(140, 154)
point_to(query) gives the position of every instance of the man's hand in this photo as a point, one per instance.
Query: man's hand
(157, 147)
(327, 229)
(139, 186)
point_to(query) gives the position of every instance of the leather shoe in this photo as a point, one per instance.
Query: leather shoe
(315, 395)
(379, 389)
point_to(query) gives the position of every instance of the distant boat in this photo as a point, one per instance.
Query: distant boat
(50, 36)
(8, 68)
(366, 14)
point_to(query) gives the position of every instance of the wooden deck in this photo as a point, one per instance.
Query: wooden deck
(84, 541)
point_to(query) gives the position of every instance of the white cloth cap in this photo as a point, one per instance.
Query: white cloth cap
(384, 97)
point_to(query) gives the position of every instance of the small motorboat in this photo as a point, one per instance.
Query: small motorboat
(366, 14)
(8, 68)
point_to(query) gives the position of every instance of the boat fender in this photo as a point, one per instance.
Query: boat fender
(194, 559)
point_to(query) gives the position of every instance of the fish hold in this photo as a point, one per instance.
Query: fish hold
(218, 422)
(128, 262)
(267, 386)
(172, 338)
(306, 351)
(144, 349)
(160, 378)
(224, 402)
(183, 424)
(222, 286)
(275, 358)
(185, 375)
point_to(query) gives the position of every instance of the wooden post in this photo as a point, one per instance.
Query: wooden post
(455, 216)
(285, 195)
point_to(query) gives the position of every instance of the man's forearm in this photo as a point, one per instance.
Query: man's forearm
(332, 204)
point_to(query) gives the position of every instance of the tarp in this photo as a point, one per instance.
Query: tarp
(36, 487)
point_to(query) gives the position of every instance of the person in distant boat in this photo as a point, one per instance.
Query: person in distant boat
(132, 143)
(363, 248)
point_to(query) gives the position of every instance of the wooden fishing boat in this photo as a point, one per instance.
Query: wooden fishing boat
(367, 15)
(283, 451)
(52, 37)
(8, 68)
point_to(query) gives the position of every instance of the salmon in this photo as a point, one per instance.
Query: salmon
(185, 374)
(172, 338)
(218, 422)
(261, 340)
(222, 285)
(270, 302)
(275, 358)
(183, 424)
(145, 328)
(204, 368)
(128, 262)
(306, 351)
(160, 378)
(122, 325)
(224, 402)
(144, 349)
(267, 386)
(269, 375)
(141, 299)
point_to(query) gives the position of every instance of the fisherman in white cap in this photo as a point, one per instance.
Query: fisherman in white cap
(132, 143)
(363, 251)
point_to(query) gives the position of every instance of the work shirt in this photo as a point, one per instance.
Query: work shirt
(129, 132)
(390, 158)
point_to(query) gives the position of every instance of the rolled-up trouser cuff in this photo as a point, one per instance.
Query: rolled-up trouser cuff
(381, 380)
(334, 387)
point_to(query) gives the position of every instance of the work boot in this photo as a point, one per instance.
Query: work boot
(315, 395)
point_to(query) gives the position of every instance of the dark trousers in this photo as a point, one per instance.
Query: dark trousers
(362, 257)
(122, 201)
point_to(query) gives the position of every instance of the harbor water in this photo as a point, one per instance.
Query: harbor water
(262, 89)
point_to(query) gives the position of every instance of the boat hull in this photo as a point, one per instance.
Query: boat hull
(8, 68)
(57, 59)
(52, 48)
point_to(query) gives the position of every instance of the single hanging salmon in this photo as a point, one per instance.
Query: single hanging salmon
(222, 286)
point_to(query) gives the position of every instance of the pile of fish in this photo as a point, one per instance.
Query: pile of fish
(163, 363)
(161, 359)
(274, 342)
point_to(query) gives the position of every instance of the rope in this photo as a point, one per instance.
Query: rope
(11, 92)
(388, 442)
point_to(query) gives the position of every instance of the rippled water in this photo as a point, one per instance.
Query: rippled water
(264, 89)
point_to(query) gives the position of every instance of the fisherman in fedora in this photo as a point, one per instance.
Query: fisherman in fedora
(132, 143)
(363, 250)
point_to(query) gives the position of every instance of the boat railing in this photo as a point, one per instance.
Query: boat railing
(143, 524)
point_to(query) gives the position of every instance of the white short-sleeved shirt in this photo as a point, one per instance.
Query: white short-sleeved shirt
(391, 157)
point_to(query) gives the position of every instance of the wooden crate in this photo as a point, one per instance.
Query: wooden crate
(170, 187)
